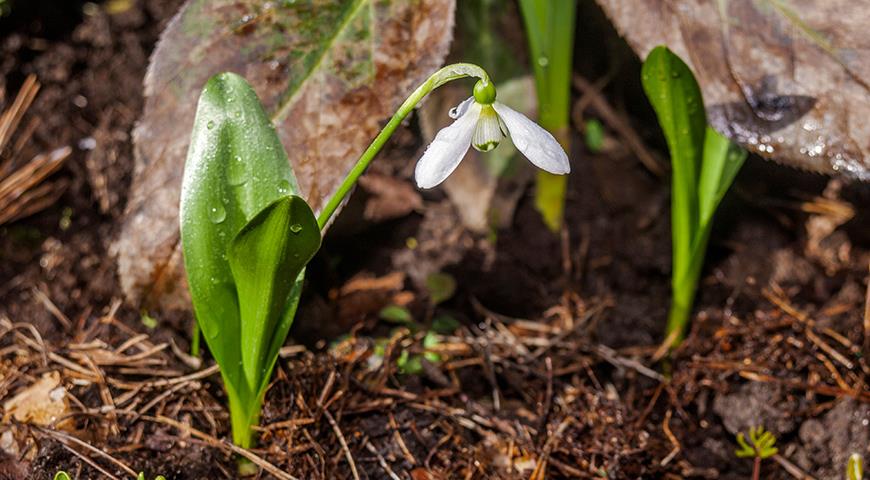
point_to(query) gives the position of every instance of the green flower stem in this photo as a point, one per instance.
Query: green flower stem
(550, 29)
(446, 74)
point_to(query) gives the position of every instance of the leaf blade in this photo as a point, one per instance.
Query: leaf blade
(230, 124)
(266, 258)
(675, 96)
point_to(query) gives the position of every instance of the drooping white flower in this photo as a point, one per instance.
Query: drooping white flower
(483, 125)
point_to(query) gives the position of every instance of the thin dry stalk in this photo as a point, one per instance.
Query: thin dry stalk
(22, 191)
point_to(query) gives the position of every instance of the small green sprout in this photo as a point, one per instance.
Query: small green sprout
(703, 164)
(65, 476)
(855, 467)
(760, 446)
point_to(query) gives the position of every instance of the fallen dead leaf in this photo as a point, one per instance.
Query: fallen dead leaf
(42, 403)
(328, 73)
(788, 80)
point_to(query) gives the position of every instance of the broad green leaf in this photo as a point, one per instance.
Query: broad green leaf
(676, 99)
(722, 161)
(441, 287)
(328, 72)
(266, 257)
(236, 167)
(396, 314)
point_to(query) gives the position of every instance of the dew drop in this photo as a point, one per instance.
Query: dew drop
(217, 214)
(296, 228)
(543, 61)
(213, 332)
(236, 174)
(210, 124)
(283, 187)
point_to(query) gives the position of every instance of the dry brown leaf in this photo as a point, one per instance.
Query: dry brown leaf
(390, 197)
(787, 79)
(42, 403)
(328, 72)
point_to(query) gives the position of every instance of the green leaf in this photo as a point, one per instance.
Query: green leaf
(266, 258)
(550, 30)
(429, 342)
(444, 324)
(594, 135)
(441, 287)
(855, 467)
(236, 167)
(722, 161)
(676, 98)
(396, 314)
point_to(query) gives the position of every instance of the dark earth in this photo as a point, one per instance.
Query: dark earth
(554, 364)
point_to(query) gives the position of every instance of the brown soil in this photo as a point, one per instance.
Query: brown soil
(552, 365)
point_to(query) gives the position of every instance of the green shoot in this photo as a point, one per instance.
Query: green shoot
(855, 467)
(550, 30)
(704, 165)
(246, 239)
(760, 446)
(65, 476)
(247, 236)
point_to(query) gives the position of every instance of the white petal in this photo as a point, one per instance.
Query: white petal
(460, 109)
(537, 144)
(447, 150)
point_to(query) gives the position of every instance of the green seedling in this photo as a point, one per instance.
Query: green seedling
(441, 287)
(550, 30)
(855, 467)
(760, 446)
(704, 164)
(65, 476)
(247, 235)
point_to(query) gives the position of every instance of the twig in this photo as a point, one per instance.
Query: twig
(52, 308)
(612, 357)
(666, 427)
(619, 124)
(540, 471)
(343, 443)
(214, 442)
(64, 438)
(382, 461)
(90, 462)
(791, 468)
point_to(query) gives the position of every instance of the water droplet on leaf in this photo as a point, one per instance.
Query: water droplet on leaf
(236, 173)
(217, 214)
(210, 124)
(296, 228)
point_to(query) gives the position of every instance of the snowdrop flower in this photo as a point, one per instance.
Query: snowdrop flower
(482, 122)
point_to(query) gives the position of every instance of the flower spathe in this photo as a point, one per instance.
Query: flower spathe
(483, 126)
